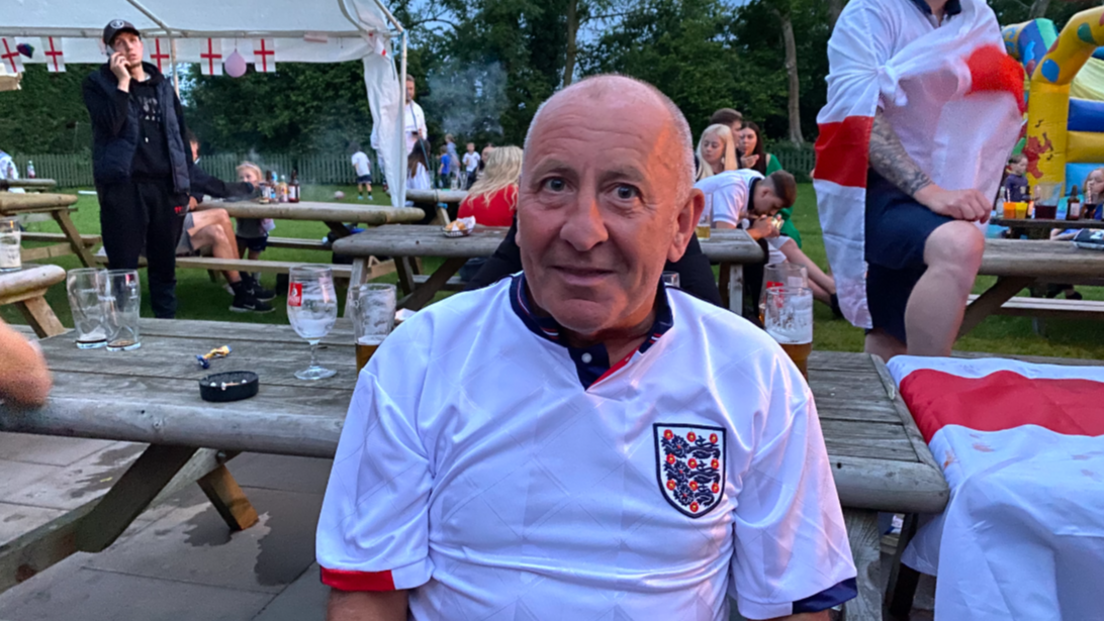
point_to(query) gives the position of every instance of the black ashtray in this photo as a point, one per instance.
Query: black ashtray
(229, 386)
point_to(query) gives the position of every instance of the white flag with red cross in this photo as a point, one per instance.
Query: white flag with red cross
(159, 53)
(210, 57)
(264, 55)
(13, 64)
(55, 58)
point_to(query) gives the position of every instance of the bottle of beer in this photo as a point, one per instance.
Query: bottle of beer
(293, 187)
(30, 169)
(1073, 205)
(282, 189)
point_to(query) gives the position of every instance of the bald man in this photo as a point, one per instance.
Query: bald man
(555, 446)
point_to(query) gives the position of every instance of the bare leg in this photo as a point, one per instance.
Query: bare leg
(254, 255)
(816, 275)
(935, 308)
(214, 237)
(819, 292)
(883, 345)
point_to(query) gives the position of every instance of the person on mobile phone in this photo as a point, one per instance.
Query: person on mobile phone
(140, 162)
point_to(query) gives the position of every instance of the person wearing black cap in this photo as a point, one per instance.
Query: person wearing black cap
(140, 162)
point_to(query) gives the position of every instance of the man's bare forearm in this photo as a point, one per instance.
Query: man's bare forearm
(889, 159)
(367, 606)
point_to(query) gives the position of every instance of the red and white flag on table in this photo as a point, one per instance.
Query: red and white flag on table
(55, 56)
(9, 56)
(865, 73)
(1022, 448)
(264, 55)
(210, 56)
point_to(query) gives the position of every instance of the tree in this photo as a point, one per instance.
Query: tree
(835, 7)
(48, 114)
(1038, 8)
(782, 10)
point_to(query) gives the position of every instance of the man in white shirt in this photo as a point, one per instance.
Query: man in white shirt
(414, 119)
(363, 172)
(8, 170)
(615, 480)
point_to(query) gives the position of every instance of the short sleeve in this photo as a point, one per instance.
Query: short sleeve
(728, 202)
(791, 554)
(373, 532)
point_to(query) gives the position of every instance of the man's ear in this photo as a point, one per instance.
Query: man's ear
(687, 220)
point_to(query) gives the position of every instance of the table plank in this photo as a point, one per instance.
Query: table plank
(1039, 259)
(11, 204)
(372, 215)
(733, 246)
(1017, 223)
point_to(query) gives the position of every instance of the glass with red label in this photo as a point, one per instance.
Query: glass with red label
(783, 274)
(312, 311)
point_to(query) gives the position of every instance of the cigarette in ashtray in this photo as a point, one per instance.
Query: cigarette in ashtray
(218, 352)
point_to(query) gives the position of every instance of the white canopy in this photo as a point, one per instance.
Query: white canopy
(297, 30)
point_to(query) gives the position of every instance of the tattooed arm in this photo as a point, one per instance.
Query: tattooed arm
(889, 159)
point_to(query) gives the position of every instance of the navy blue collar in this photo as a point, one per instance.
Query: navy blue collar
(954, 7)
(591, 363)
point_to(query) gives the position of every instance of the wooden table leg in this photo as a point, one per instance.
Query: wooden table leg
(991, 300)
(736, 288)
(40, 316)
(866, 549)
(406, 270)
(423, 294)
(228, 498)
(74, 236)
(358, 276)
(338, 230)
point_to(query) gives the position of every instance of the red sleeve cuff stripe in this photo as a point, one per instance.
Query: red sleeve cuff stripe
(344, 580)
(843, 151)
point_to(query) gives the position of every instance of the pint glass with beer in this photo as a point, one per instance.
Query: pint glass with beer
(373, 318)
(705, 224)
(789, 320)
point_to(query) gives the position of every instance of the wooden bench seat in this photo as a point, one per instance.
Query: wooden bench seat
(453, 284)
(1051, 308)
(213, 264)
(297, 243)
(27, 290)
(59, 248)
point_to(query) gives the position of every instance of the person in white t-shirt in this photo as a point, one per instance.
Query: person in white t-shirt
(617, 480)
(414, 125)
(8, 170)
(363, 172)
(746, 199)
(471, 164)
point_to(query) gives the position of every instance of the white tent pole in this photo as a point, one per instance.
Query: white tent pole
(168, 33)
(402, 125)
(138, 5)
(172, 59)
(390, 17)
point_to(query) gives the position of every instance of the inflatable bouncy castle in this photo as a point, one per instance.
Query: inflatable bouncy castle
(1065, 110)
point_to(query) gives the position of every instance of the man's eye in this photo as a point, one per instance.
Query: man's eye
(555, 184)
(627, 192)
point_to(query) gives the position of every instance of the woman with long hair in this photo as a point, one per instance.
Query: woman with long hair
(493, 198)
(417, 168)
(755, 155)
(716, 151)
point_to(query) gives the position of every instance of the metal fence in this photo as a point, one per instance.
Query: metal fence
(76, 170)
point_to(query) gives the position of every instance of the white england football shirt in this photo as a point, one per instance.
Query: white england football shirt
(728, 198)
(501, 474)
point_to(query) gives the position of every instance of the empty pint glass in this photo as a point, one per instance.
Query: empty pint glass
(10, 259)
(121, 296)
(83, 288)
(783, 274)
(789, 321)
(373, 318)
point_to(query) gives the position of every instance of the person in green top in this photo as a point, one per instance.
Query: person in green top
(751, 145)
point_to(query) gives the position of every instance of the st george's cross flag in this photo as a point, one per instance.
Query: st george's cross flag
(1022, 448)
(264, 55)
(55, 56)
(952, 94)
(9, 56)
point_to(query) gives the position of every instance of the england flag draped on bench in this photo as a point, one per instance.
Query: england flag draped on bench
(1022, 448)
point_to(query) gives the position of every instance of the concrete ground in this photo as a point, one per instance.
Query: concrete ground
(178, 561)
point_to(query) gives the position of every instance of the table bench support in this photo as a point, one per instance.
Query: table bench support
(74, 236)
(423, 294)
(991, 301)
(40, 316)
(228, 498)
(866, 549)
(732, 287)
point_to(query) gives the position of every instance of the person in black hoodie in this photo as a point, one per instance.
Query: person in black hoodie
(140, 162)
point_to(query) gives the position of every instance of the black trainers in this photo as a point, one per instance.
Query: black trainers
(259, 292)
(246, 302)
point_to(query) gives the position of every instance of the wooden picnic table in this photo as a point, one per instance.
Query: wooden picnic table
(58, 206)
(335, 215)
(35, 185)
(879, 460)
(730, 248)
(1021, 263)
(1030, 223)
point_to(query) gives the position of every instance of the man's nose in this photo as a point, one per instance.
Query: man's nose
(585, 228)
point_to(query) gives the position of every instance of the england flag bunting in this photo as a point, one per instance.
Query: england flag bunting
(210, 56)
(160, 53)
(379, 43)
(9, 56)
(1022, 448)
(860, 80)
(264, 55)
(55, 57)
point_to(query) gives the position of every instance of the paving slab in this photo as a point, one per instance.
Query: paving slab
(18, 519)
(192, 544)
(71, 591)
(280, 472)
(48, 450)
(68, 487)
(19, 475)
(304, 600)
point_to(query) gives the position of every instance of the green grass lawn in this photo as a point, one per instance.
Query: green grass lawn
(199, 298)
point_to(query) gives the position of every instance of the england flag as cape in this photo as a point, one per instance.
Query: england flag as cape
(1022, 448)
(964, 126)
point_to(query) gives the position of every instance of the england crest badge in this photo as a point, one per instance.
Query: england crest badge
(690, 466)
